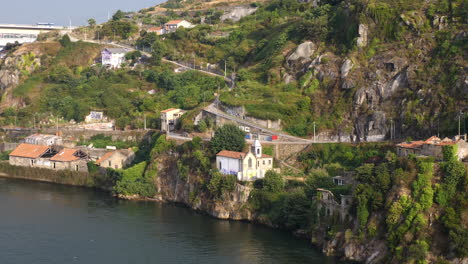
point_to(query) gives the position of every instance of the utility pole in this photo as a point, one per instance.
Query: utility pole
(314, 131)
(56, 123)
(459, 122)
(144, 121)
(225, 68)
(391, 129)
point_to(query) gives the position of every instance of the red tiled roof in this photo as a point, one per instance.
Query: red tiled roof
(411, 144)
(153, 29)
(65, 154)
(264, 156)
(106, 156)
(231, 154)
(433, 138)
(29, 151)
(168, 110)
(173, 22)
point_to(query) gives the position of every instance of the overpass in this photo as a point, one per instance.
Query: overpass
(11, 33)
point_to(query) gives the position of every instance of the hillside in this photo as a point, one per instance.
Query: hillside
(353, 68)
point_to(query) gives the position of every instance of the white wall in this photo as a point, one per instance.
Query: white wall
(228, 165)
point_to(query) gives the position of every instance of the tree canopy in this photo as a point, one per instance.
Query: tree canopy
(228, 137)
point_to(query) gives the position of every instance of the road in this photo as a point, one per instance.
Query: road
(74, 39)
(215, 111)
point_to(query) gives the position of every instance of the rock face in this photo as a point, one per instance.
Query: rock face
(302, 54)
(238, 12)
(362, 39)
(172, 188)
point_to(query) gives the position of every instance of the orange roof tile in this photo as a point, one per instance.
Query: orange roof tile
(106, 156)
(231, 154)
(411, 144)
(65, 154)
(433, 138)
(173, 22)
(154, 29)
(168, 110)
(29, 151)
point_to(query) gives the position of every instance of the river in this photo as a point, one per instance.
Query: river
(47, 223)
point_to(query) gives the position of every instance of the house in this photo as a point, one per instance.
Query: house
(157, 30)
(117, 159)
(70, 159)
(432, 147)
(326, 200)
(47, 157)
(43, 139)
(347, 178)
(247, 166)
(95, 117)
(30, 155)
(169, 118)
(113, 57)
(173, 25)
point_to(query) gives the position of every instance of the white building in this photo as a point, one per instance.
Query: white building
(43, 139)
(173, 25)
(247, 166)
(113, 57)
(169, 118)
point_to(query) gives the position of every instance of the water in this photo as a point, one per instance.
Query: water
(46, 223)
(61, 12)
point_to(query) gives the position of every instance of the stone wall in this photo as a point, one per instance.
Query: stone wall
(76, 178)
(133, 135)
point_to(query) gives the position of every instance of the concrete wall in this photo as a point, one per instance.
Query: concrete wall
(8, 146)
(133, 135)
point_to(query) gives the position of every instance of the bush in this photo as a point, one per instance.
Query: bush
(133, 181)
(273, 182)
(220, 184)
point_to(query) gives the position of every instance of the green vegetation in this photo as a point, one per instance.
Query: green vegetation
(102, 141)
(134, 180)
(228, 137)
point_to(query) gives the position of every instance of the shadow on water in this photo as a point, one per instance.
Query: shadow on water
(47, 223)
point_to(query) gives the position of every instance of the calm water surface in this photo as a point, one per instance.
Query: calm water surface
(46, 223)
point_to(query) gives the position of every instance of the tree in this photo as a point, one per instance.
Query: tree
(159, 50)
(65, 41)
(228, 137)
(118, 15)
(273, 182)
(92, 22)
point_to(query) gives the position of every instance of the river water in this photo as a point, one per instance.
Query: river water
(47, 223)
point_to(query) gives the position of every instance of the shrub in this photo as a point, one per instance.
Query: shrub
(273, 182)
(132, 182)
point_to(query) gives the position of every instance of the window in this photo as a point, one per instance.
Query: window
(54, 165)
(110, 163)
(220, 167)
(250, 162)
(76, 167)
(263, 162)
(269, 162)
(258, 151)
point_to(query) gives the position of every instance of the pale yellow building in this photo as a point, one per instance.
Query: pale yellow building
(169, 118)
